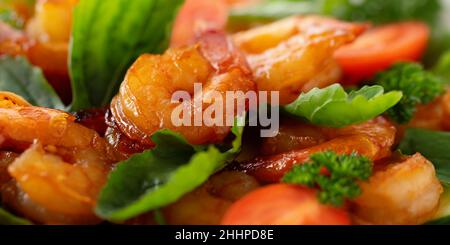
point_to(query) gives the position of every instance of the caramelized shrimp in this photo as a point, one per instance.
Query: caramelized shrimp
(402, 193)
(144, 104)
(372, 139)
(12, 41)
(58, 178)
(45, 41)
(207, 204)
(294, 55)
(434, 116)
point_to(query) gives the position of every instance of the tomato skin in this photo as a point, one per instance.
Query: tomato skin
(381, 47)
(283, 204)
(194, 17)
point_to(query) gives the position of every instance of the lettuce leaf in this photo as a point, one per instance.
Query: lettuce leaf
(17, 75)
(107, 37)
(433, 145)
(158, 177)
(333, 107)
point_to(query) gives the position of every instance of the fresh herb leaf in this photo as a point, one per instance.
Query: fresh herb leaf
(336, 176)
(161, 176)
(442, 68)
(333, 107)
(272, 10)
(17, 75)
(418, 87)
(434, 145)
(107, 37)
(7, 218)
(382, 11)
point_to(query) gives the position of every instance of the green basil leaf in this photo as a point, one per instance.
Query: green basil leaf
(7, 218)
(17, 75)
(161, 176)
(433, 145)
(107, 37)
(333, 107)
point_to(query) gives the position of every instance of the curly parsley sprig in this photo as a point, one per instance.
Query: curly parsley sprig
(335, 175)
(418, 87)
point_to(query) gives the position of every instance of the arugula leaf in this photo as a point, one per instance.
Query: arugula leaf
(333, 107)
(434, 145)
(161, 176)
(418, 87)
(17, 75)
(7, 218)
(341, 181)
(107, 37)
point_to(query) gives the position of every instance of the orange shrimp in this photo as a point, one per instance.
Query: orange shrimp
(211, 200)
(144, 104)
(58, 178)
(45, 41)
(372, 139)
(294, 55)
(405, 192)
(434, 116)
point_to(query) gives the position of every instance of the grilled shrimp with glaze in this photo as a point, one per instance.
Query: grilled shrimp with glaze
(403, 192)
(294, 55)
(62, 167)
(372, 139)
(144, 103)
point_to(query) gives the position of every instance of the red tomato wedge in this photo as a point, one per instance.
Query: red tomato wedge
(196, 16)
(283, 204)
(381, 47)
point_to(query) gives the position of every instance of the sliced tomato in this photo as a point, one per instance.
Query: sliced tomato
(195, 16)
(381, 47)
(283, 204)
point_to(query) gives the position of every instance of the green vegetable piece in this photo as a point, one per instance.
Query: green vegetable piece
(272, 10)
(382, 11)
(418, 87)
(7, 218)
(433, 145)
(341, 182)
(107, 37)
(333, 107)
(442, 68)
(17, 75)
(160, 176)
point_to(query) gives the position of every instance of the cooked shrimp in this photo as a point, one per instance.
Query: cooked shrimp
(207, 204)
(144, 104)
(294, 55)
(402, 193)
(12, 41)
(6, 158)
(45, 41)
(434, 116)
(372, 139)
(58, 178)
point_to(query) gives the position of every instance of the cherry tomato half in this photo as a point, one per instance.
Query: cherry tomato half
(283, 204)
(381, 47)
